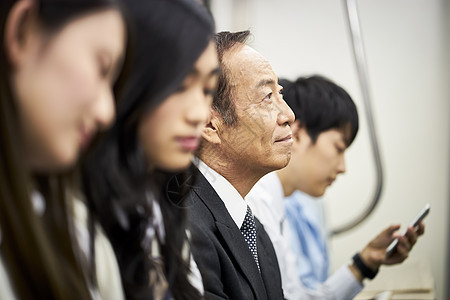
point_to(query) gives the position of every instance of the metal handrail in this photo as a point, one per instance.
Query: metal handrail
(361, 66)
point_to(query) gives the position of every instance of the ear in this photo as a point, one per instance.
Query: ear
(300, 136)
(18, 27)
(211, 132)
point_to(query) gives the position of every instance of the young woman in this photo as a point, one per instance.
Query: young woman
(163, 105)
(58, 62)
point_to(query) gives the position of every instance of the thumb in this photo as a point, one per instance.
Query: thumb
(387, 236)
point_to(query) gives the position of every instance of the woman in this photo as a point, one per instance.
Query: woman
(58, 61)
(163, 105)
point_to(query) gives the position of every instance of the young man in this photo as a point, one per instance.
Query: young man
(326, 125)
(247, 136)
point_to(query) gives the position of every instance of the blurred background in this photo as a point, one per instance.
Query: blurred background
(407, 47)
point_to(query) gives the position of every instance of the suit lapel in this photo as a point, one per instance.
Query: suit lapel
(270, 270)
(231, 234)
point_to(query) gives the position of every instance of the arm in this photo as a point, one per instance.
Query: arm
(346, 282)
(340, 285)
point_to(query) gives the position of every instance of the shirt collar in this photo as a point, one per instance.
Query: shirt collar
(266, 198)
(235, 204)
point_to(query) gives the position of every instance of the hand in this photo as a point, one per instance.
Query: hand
(374, 254)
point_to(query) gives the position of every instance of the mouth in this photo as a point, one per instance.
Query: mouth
(188, 143)
(330, 181)
(287, 138)
(86, 137)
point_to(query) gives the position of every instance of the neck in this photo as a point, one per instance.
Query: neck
(242, 177)
(287, 181)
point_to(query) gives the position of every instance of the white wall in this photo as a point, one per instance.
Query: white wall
(408, 57)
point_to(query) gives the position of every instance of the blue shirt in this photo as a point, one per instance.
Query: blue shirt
(304, 215)
(267, 202)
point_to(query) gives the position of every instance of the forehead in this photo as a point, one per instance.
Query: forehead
(248, 67)
(91, 28)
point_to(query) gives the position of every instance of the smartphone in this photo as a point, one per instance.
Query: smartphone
(414, 224)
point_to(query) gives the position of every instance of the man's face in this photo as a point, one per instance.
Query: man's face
(316, 165)
(262, 137)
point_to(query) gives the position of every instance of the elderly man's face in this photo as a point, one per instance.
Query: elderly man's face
(262, 137)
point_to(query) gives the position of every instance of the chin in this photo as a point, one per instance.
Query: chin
(58, 161)
(317, 193)
(282, 162)
(177, 164)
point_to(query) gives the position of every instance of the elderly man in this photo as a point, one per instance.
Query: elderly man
(326, 125)
(248, 135)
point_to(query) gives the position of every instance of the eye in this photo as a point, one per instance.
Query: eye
(340, 149)
(104, 70)
(268, 98)
(104, 65)
(209, 92)
(181, 88)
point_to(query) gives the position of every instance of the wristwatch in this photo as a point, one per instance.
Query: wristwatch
(363, 268)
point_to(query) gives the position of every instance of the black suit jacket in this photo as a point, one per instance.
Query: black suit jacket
(227, 266)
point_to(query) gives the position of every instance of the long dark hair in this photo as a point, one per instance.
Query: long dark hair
(37, 250)
(169, 36)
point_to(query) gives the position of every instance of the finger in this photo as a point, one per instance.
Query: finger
(411, 235)
(393, 228)
(389, 233)
(404, 242)
(397, 236)
(402, 252)
(420, 229)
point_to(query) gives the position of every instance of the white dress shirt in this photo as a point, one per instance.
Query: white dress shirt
(235, 204)
(266, 201)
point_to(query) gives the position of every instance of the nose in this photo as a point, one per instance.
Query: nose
(104, 109)
(285, 115)
(341, 166)
(198, 108)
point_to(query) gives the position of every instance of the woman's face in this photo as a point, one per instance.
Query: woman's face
(63, 84)
(171, 133)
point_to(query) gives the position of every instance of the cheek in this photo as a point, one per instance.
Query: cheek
(259, 124)
(241, 140)
(314, 167)
(65, 85)
(156, 135)
(50, 115)
(323, 168)
(77, 79)
(162, 149)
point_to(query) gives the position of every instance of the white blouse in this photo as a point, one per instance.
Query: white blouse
(106, 266)
(107, 269)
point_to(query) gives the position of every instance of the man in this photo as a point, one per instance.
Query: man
(326, 125)
(247, 136)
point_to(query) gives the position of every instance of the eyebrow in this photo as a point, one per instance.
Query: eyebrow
(265, 82)
(216, 71)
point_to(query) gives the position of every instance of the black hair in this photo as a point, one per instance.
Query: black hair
(38, 251)
(223, 101)
(320, 105)
(168, 36)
